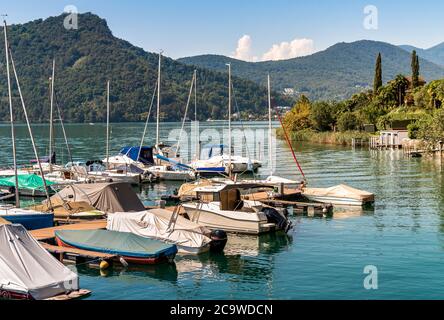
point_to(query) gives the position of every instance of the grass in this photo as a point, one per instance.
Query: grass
(330, 137)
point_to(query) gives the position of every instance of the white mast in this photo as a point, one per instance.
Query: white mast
(17, 198)
(229, 119)
(158, 102)
(107, 125)
(270, 136)
(51, 128)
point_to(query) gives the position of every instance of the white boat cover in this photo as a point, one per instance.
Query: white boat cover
(26, 267)
(340, 191)
(154, 224)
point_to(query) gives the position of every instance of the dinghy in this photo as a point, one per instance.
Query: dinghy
(131, 247)
(339, 195)
(161, 224)
(29, 272)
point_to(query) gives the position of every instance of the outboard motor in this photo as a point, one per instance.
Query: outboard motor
(218, 240)
(274, 216)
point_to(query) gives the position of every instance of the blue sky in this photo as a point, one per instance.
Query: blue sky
(190, 27)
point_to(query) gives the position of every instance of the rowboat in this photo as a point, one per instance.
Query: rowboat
(131, 247)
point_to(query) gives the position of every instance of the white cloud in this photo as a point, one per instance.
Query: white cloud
(243, 50)
(281, 51)
(289, 50)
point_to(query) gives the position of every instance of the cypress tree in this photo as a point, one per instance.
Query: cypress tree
(415, 69)
(377, 83)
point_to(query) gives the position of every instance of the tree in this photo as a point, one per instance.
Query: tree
(377, 83)
(299, 116)
(415, 70)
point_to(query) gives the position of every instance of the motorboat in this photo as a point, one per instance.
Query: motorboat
(29, 272)
(129, 246)
(220, 206)
(339, 195)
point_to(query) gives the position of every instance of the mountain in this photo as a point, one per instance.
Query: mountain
(434, 54)
(89, 56)
(335, 73)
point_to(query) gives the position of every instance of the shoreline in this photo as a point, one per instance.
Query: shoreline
(328, 137)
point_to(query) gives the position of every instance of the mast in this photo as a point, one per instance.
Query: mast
(51, 126)
(30, 132)
(270, 137)
(195, 114)
(14, 155)
(229, 119)
(158, 102)
(107, 125)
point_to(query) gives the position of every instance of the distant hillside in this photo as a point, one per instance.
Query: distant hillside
(86, 58)
(335, 73)
(434, 54)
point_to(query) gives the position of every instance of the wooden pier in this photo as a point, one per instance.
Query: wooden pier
(49, 233)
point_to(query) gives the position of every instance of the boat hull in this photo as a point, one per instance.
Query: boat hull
(31, 221)
(215, 221)
(162, 255)
(338, 201)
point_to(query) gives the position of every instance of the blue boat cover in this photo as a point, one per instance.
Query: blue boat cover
(146, 154)
(118, 243)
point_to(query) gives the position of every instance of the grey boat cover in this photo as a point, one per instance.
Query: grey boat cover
(26, 267)
(106, 197)
(155, 224)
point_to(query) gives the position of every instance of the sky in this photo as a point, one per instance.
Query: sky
(251, 30)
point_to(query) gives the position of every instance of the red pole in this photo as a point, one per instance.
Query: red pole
(289, 144)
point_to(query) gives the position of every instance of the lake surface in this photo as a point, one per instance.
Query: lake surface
(403, 236)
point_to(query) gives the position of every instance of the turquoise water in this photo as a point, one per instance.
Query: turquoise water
(322, 258)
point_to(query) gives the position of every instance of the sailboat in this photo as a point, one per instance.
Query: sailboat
(173, 170)
(220, 156)
(28, 218)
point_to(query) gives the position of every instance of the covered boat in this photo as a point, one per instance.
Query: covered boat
(160, 224)
(28, 271)
(131, 247)
(339, 195)
(30, 219)
(30, 185)
(106, 197)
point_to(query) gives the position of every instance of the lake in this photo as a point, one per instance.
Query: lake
(402, 236)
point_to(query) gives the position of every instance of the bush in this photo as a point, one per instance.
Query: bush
(323, 116)
(348, 121)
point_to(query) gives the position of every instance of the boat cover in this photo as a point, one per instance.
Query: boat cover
(144, 155)
(113, 242)
(107, 197)
(340, 191)
(26, 181)
(26, 267)
(155, 224)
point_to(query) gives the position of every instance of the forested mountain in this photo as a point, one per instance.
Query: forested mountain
(434, 54)
(335, 73)
(87, 57)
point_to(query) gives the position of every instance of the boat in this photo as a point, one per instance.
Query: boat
(128, 246)
(141, 157)
(106, 197)
(339, 195)
(167, 226)
(30, 219)
(29, 185)
(173, 171)
(63, 209)
(220, 206)
(29, 272)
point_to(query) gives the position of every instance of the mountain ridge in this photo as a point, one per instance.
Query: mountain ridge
(334, 73)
